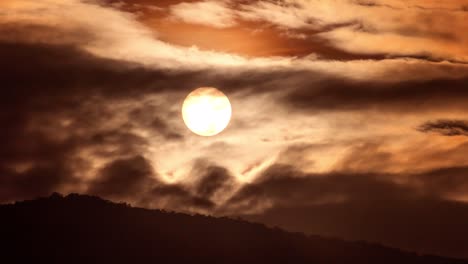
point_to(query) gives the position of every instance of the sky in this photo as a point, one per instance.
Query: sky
(349, 117)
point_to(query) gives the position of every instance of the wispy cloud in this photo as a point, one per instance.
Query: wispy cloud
(208, 13)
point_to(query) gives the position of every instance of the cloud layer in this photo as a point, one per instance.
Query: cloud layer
(342, 110)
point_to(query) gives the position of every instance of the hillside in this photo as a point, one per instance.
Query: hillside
(85, 229)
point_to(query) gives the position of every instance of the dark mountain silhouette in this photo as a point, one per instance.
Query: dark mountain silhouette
(86, 229)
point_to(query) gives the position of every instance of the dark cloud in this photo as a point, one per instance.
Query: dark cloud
(373, 207)
(20, 145)
(34, 181)
(163, 128)
(368, 3)
(123, 143)
(408, 96)
(55, 104)
(213, 179)
(286, 185)
(147, 116)
(50, 68)
(446, 127)
(198, 193)
(123, 178)
(33, 33)
(135, 180)
(326, 92)
(177, 197)
(31, 163)
(444, 181)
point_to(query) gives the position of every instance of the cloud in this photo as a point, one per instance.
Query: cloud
(134, 180)
(123, 39)
(287, 14)
(145, 117)
(449, 182)
(283, 185)
(407, 96)
(403, 224)
(72, 124)
(446, 127)
(82, 86)
(94, 107)
(177, 197)
(358, 206)
(19, 183)
(421, 28)
(122, 178)
(397, 155)
(211, 179)
(114, 109)
(207, 13)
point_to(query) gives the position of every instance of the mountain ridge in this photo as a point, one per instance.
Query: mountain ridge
(83, 228)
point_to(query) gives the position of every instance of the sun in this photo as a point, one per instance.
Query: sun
(206, 111)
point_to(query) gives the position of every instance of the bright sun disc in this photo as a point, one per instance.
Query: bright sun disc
(206, 111)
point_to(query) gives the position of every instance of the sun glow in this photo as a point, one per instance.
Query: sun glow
(206, 111)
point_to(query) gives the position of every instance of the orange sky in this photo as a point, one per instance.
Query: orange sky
(262, 30)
